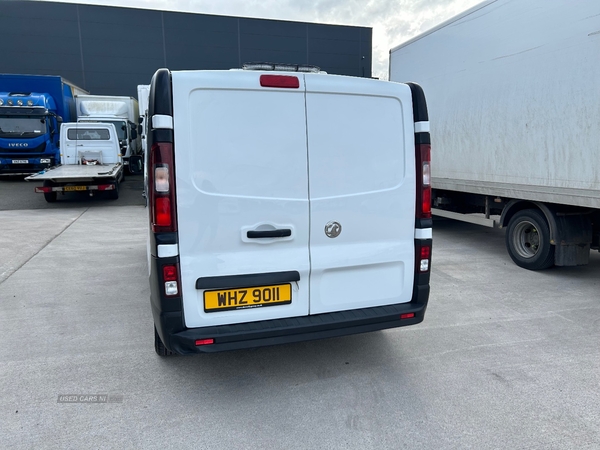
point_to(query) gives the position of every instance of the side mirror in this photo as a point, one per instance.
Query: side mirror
(140, 119)
(59, 121)
(135, 164)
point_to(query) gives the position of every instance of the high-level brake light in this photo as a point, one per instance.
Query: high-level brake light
(280, 81)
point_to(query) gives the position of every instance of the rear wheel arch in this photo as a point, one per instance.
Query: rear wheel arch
(514, 206)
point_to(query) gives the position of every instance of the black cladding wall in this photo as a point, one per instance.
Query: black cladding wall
(110, 50)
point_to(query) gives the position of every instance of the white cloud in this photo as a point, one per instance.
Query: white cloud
(393, 21)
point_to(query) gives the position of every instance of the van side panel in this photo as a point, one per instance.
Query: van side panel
(362, 176)
(241, 170)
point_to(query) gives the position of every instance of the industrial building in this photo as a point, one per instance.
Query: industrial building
(110, 50)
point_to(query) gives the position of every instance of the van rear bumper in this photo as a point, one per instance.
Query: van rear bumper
(288, 330)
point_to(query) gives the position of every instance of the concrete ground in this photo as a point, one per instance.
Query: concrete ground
(505, 359)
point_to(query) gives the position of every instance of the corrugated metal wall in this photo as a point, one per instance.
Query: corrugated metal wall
(109, 50)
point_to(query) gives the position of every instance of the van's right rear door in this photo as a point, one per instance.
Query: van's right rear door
(362, 192)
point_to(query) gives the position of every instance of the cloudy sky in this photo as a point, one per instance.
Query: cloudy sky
(393, 21)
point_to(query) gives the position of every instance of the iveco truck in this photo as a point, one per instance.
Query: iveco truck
(32, 107)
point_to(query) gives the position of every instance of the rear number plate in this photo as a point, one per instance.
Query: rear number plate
(245, 298)
(75, 188)
(20, 161)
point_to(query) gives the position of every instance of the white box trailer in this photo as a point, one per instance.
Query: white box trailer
(513, 92)
(121, 111)
(284, 206)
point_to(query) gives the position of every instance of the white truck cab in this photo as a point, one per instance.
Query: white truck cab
(89, 144)
(285, 206)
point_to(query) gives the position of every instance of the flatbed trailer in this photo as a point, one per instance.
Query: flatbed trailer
(79, 178)
(92, 162)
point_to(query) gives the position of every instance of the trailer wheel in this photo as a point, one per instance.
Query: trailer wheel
(159, 347)
(528, 240)
(50, 197)
(114, 194)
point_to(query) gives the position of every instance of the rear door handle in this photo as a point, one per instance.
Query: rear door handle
(277, 233)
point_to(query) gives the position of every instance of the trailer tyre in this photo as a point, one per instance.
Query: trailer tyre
(50, 197)
(528, 240)
(114, 194)
(159, 347)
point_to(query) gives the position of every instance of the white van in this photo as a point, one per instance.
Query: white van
(285, 205)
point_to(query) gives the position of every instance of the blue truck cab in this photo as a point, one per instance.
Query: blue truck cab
(32, 108)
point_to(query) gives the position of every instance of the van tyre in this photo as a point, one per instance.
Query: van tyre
(528, 240)
(49, 196)
(159, 347)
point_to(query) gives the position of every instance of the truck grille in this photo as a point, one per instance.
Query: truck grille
(17, 151)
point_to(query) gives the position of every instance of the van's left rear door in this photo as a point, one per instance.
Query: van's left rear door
(242, 197)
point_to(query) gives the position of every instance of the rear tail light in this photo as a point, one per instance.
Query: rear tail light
(162, 187)
(162, 213)
(161, 179)
(423, 153)
(423, 256)
(171, 279)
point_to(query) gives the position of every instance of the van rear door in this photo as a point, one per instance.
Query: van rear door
(242, 197)
(362, 192)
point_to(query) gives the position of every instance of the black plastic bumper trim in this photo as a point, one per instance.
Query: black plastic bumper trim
(248, 280)
(298, 329)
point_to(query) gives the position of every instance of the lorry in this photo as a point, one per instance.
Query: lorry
(121, 111)
(92, 162)
(32, 107)
(513, 96)
(284, 205)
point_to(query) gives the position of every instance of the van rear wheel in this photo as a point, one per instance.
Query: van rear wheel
(528, 240)
(159, 347)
